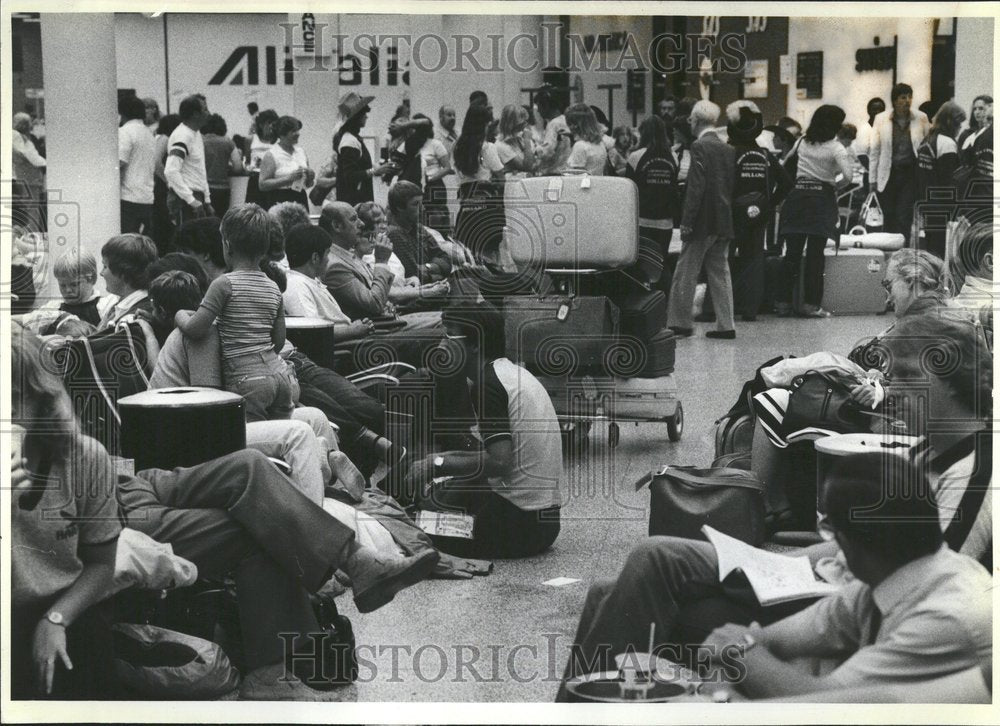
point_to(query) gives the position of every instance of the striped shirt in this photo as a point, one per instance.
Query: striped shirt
(246, 304)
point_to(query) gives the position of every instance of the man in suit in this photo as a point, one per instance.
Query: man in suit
(706, 227)
(363, 291)
(892, 164)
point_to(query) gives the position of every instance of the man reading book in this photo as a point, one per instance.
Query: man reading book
(916, 610)
(675, 582)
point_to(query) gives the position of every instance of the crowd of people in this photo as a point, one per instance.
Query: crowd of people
(216, 283)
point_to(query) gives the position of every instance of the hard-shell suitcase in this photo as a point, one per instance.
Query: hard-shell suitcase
(852, 282)
(558, 335)
(660, 351)
(572, 222)
(643, 312)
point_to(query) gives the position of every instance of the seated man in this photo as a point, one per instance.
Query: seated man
(363, 293)
(916, 610)
(510, 484)
(416, 249)
(674, 582)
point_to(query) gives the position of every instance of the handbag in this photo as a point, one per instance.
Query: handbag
(683, 499)
(823, 400)
(871, 213)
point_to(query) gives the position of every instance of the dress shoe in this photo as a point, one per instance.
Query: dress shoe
(682, 332)
(376, 579)
(723, 334)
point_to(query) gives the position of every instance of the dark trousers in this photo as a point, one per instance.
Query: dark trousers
(813, 270)
(674, 583)
(136, 218)
(897, 200)
(89, 644)
(746, 261)
(343, 403)
(238, 514)
(501, 529)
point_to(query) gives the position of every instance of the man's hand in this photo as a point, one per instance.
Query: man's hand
(420, 478)
(49, 644)
(686, 233)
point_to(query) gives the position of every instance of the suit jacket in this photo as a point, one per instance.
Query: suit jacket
(361, 292)
(709, 195)
(880, 149)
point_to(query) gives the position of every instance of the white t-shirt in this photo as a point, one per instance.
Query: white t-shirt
(489, 162)
(137, 150)
(517, 407)
(189, 146)
(285, 163)
(592, 158)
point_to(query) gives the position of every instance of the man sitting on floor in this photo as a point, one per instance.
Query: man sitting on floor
(510, 482)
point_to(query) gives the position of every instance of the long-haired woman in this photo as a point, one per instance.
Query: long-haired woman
(480, 220)
(810, 215)
(64, 526)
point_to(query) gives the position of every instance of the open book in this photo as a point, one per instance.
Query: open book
(775, 578)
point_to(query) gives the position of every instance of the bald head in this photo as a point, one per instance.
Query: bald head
(340, 221)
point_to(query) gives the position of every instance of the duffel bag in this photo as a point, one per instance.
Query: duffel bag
(684, 498)
(169, 665)
(859, 238)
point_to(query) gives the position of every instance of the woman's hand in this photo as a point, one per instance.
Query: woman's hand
(49, 644)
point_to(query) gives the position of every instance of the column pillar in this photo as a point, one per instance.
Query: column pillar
(81, 129)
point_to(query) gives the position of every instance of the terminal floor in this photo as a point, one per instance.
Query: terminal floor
(514, 631)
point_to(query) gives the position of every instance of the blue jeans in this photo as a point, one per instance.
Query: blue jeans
(264, 382)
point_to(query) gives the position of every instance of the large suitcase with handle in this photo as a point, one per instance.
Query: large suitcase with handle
(572, 222)
(852, 282)
(558, 335)
(643, 312)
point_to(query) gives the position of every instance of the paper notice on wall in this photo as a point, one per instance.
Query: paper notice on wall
(785, 69)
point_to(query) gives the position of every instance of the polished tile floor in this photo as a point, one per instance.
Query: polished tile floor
(505, 637)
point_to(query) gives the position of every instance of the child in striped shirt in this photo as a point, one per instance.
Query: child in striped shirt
(250, 318)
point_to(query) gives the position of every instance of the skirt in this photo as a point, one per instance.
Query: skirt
(810, 209)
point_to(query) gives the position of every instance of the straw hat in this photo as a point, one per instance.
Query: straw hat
(352, 104)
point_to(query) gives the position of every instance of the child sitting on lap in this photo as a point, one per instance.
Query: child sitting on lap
(251, 318)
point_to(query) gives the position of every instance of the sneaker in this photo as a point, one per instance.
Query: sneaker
(376, 579)
(272, 683)
(812, 311)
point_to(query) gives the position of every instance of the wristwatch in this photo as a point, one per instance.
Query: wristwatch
(55, 617)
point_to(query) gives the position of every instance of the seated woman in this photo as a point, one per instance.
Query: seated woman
(911, 275)
(62, 565)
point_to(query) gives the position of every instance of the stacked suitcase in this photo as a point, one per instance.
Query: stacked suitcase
(598, 339)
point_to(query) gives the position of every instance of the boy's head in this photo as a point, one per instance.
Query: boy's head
(172, 291)
(307, 244)
(246, 232)
(126, 257)
(76, 273)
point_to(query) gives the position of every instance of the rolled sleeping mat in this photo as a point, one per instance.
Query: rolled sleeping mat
(166, 428)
